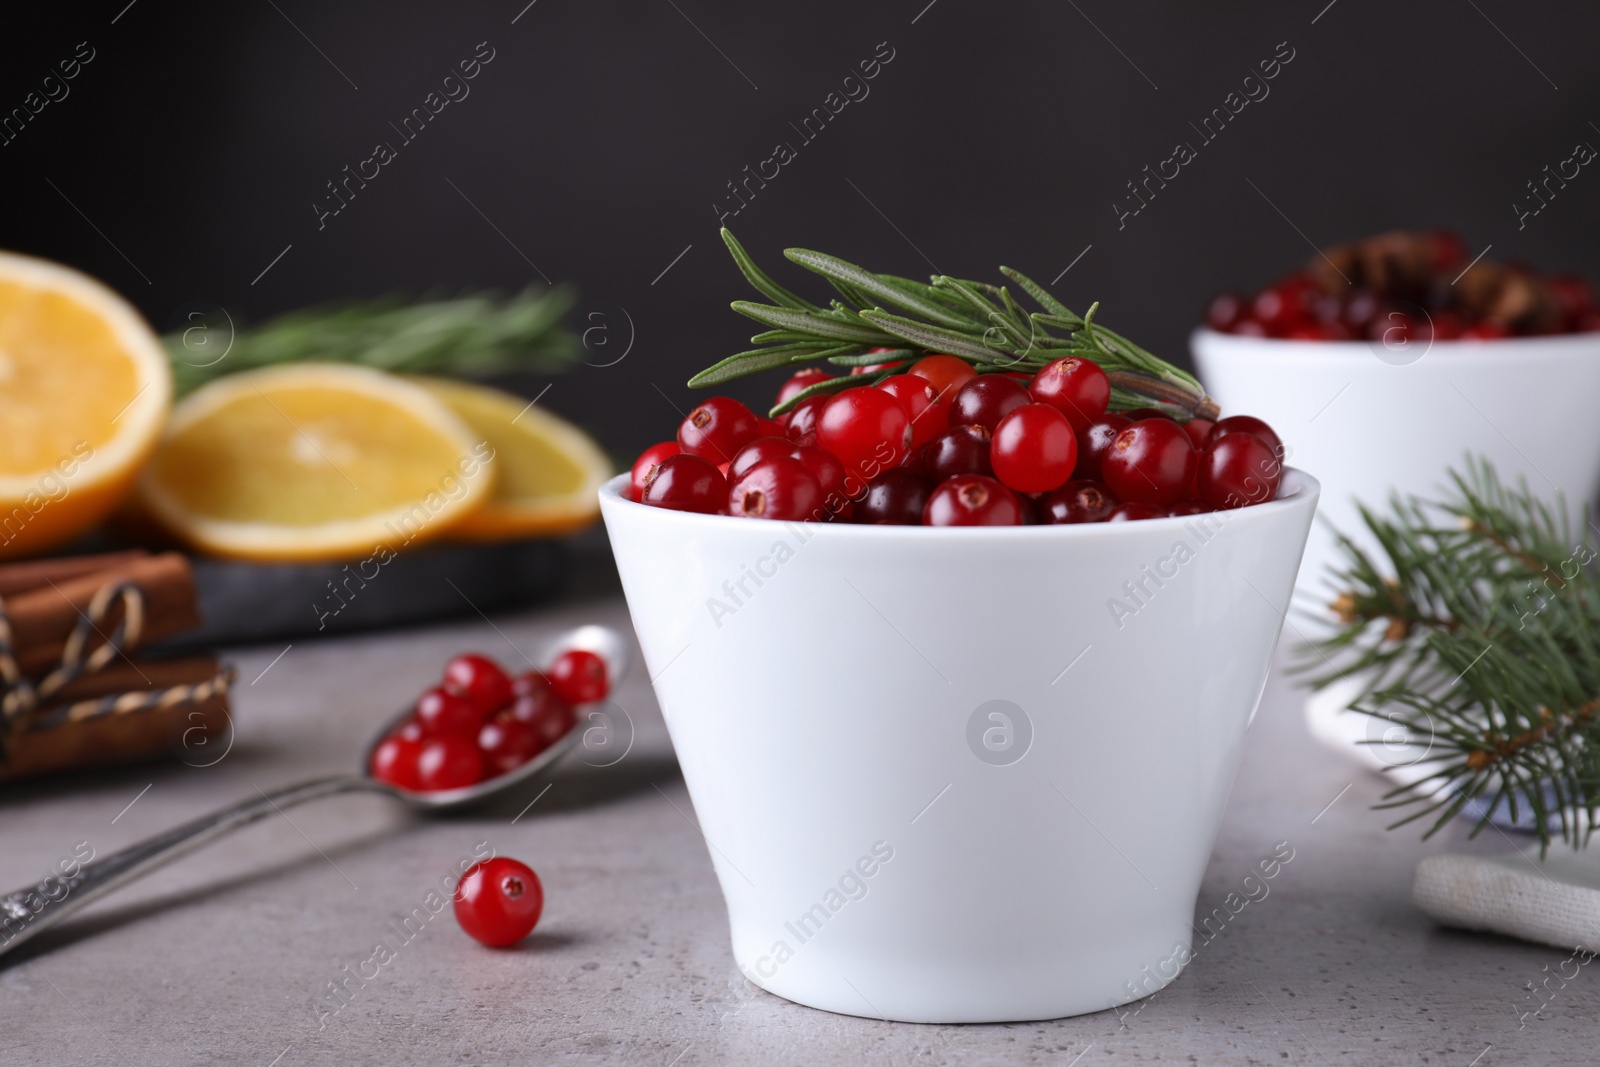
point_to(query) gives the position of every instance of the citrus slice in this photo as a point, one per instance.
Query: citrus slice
(314, 461)
(84, 386)
(549, 471)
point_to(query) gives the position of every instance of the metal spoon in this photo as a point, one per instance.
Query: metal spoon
(28, 911)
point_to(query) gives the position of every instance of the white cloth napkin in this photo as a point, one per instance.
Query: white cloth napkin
(1554, 902)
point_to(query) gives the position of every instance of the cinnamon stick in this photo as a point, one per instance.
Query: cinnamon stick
(39, 573)
(42, 619)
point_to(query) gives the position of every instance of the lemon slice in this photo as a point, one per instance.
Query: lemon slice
(84, 386)
(314, 461)
(549, 471)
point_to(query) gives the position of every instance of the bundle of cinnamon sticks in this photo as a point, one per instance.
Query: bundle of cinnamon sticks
(75, 690)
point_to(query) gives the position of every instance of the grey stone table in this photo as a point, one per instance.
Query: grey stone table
(227, 956)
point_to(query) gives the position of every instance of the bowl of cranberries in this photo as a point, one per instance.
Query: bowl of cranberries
(1383, 362)
(957, 666)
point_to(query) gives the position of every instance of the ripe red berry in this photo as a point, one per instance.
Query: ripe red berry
(762, 448)
(687, 483)
(1251, 425)
(1077, 388)
(717, 428)
(507, 743)
(1238, 470)
(773, 427)
(896, 497)
(838, 488)
(801, 380)
(782, 488)
(944, 373)
(874, 368)
(802, 428)
(1034, 449)
(395, 761)
(972, 500)
(1094, 441)
(1284, 305)
(1491, 331)
(963, 450)
(1132, 512)
(529, 683)
(449, 762)
(480, 680)
(1248, 327)
(916, 395)
(987, 399)
(1197, 429)
(1151, 462)
(498, 901)
(1080, 500)
(1190, 507)
(647, 462)
(867, 429)
(579, 677)
(547, 715)
(1449, 250)
(441, 712)
(1225, 311)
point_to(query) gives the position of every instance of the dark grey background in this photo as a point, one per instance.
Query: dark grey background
(600, 136)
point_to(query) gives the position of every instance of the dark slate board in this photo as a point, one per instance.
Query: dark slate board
(245, 603)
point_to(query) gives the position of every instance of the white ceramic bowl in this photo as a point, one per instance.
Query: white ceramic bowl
(941, 777)
(1372, 420)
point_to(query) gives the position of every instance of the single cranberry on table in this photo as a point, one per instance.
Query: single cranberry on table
(395, 761)
(802, 427)
(867, 429)
(1251, 425)
(441, 712)
(782, 488)
(717, 428)
(801, 380)
(962, 450)
(762, 448)
(1095, 441)
(508, 742)
(498, 901)
(687, 483)
(1080, 500)
(1151, 462)
(1237, 471)
(987, 399)
(896, 497)
(1076, 387)
(972, 500)
(1034, 449)
(578, 676)
(1135, 512)
(916, 395)
(647, 462)
(449, 761)
(479, 679)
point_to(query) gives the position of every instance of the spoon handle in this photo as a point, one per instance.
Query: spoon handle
(27, 911)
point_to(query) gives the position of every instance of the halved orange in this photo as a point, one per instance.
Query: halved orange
(314, 461)
(84, 387)
(550, 472)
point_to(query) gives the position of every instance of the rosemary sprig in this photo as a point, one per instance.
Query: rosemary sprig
(1477, 630)
(975, 321)
(471, 335)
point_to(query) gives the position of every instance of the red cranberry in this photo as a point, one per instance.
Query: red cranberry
(498, 902)
(1237, 471)
(1249, 328)
(1034, 449)
(440, 712)
(411, 730)
(875, 368)
(530, 684)
(1251, 425)
(972, 500)
(548, 717)
(1151, 462)
(916, 395)
(1081, 500)
(480, 680)
(647, 462)
(782, 488)
(1283, 305)
(987, 399)
(802, 428)
(717, 428)
(867, 429)
(1359, 311)
(395, 761)
(579, 677)
(687, 483)
(1095, 441)
(1189, 507)
(837, 487)
(1077, 388)
(945, 373)
(507, 743)
(449, 762)
(757, 451)
(1133, 512)
(1449, 251)
(773, 427)
(1485, 331)
(1225, 311)
(801, 380)
(963, 450)
(1197, 429)
(896, 497)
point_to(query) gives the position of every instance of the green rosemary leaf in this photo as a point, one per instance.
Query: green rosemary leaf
(937, 340)
(834, 268)
(1040, 296)
(758, 278)
(781, 337)
(760, 359)
(881, 355)
(817, 323)
(993, 318)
